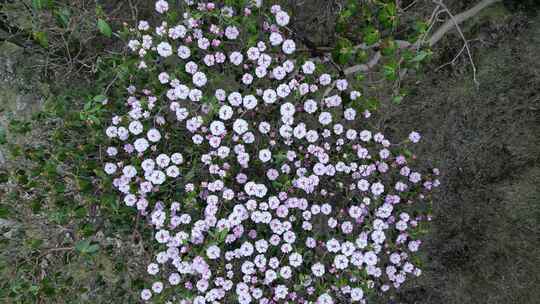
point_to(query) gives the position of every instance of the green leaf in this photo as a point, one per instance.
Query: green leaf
(390, 72)
(37, 4)
(371, 35)
(104, 28)
(62, 16)
(85, 247)
(420, 56)
(397, 99)
(42, 38)
(3, 136)
(4, 212)
(388, 16)
(100, 98)
(372, 104)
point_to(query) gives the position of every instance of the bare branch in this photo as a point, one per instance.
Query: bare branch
(458, 19)
(465, 41)
(364, 67)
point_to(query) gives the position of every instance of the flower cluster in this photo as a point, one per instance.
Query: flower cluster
(263, 182)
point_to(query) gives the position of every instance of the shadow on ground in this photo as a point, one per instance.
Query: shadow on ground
(485, 245)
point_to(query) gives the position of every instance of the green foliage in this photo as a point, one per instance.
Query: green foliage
(85, 247)
(42, 38)
(69, 222)
(104, 28)
(366, 28)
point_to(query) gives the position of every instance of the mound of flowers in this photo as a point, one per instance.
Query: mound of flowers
(257, 166)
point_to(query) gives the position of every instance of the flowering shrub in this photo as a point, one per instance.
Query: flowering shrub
(257, 168)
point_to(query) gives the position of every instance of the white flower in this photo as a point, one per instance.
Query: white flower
(377, 189)
(235, 99)
(247, 79)
(365, 135)
(264, 127)
(240, 126)
(141, 145)
(134, 45)
(312, 136)
(283, 90)
(275, 39)
(275, 9)
(225, 112)
(261, 71)
(414, 137)
(342, 84)
(318, 269)
(325, 79)
(325, 299)
(162, 6)
(213, 252)
(310, 106)
(355, 94)
(357, 294)
(157, 287)
(164, 49)
(191, 67)
(146, 294)
(288, 46)
(269, 96)
(295, 259)
(184, 52)
(143, 26)
(282, 18)
(279, 73)
(199, 79)
(253, 53)
(135, 127)
(341, 262)
(220, 94)
(172, 171)
(308, 67)
(178, 31)
(203, 43)
(350, 114)
(300, 131)
(286, 131)
(287, 109)
(110, 168)
(325, 118)
(231, 32)
(370, 258)
(265, 155)
(181, 91)
(195, 95)
(153, 135)
(249, 102)
(111, 132)
(236, 58)
(217, 128)
(264, 60)
(163, 160)
(163, 78)
(209, 60)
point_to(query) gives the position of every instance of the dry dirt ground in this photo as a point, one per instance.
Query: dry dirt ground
(485, 245)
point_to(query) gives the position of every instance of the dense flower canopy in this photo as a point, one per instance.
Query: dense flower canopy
(263, 182)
